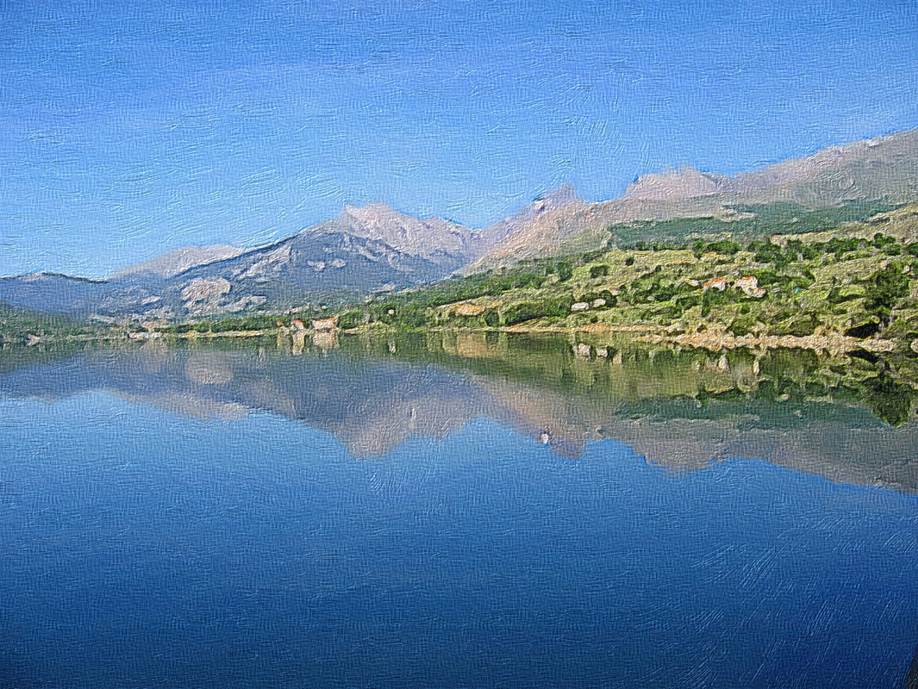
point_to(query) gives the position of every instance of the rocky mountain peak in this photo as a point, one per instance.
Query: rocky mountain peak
(561, 196)
(682, 183)
(373, 214)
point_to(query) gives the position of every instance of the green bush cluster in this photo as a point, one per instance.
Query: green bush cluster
(520, 312)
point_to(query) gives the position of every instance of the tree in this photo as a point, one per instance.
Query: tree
(886, 288)
(599, 271)
(565, 271)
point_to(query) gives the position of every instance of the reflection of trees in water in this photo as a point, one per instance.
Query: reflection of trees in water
(633, 375)
(679, 408)
(889, 400)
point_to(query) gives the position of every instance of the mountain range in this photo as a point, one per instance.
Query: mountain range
(376, 249)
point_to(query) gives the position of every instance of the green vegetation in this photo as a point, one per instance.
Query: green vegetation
(778, 272)
(839, 283)
(257, 321)
(749, 222)
(20, 326)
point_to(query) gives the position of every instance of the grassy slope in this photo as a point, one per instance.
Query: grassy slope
(836, 282)
(814, 281)
(748, 222)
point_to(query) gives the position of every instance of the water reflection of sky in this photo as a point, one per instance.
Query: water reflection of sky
(144, 546)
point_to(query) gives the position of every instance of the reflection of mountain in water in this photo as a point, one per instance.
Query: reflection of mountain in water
(678, 409)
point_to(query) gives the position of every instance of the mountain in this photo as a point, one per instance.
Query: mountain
(443, 243)
(376, 248)
(884, 169)
(363, 250)
(180, 260)
(541, 230)
(679, 184)
(54, 293)
(313, 265)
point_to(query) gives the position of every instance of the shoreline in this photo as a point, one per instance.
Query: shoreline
(712, 341)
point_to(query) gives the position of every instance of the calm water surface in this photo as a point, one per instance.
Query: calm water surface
(454, 512)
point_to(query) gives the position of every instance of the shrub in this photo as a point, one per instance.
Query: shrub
(529, 310)
(564, 270)
(520, 312)
(800, 325)
(885, 288)
(742, 325)
(351, 318)
(724, 246)
(599, 271)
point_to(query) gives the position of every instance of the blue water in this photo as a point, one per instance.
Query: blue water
(146, 547)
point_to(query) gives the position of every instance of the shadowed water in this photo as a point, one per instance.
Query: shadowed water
(455, 511)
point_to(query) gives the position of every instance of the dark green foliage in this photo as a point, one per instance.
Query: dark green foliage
(884, 289)
(743, 325)
(799, 251)
(799, 325)
(565, 271)
(768, 252)
(888, 245)
(351, 318)
(17, 324)
(767, 277)
(839, 246)
(520, 312)
(723, 246)
(599, 271)
(890, 401)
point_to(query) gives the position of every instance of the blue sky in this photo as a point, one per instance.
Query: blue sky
(127, 129)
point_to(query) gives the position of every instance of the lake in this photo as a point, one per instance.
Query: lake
(472, 510)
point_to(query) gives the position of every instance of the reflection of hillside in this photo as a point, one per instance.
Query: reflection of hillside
(835, 449)
(678, 409)
(636, 380)
(370, 406)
